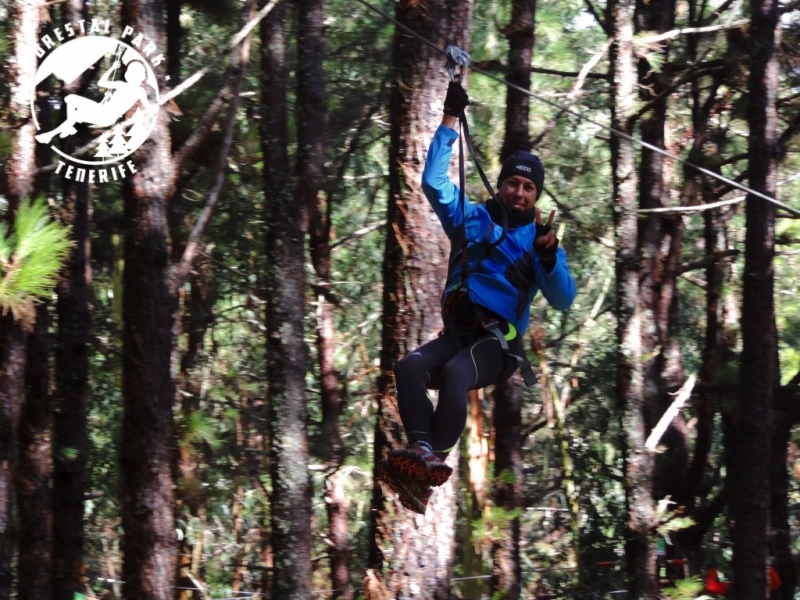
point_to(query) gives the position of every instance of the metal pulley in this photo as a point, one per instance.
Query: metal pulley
(457, 62)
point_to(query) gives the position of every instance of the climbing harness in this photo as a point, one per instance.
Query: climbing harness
(457, 63)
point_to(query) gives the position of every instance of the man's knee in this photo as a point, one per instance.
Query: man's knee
(408, 366)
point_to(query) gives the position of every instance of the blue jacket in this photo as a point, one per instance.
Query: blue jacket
(509, 278)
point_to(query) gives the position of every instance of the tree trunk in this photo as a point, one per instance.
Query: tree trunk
(72, 390)
(507, 487)
(414, 269)
(660, 239)
(474, 469)
(758, 374)
(70, 437)
(330, 443)
(33, 472)
(34, 497)
(506, 569)
(285, 286)
(337, 505)
(638, 463)
(20, 174)
(521, 36)
(785, 563)
(148, 437)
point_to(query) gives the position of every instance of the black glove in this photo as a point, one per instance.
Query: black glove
(456, 99)
(547, 256)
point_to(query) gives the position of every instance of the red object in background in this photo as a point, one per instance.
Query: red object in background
(715, 586)
(774, 580)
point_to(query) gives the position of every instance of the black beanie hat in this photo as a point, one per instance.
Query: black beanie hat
(526, 165)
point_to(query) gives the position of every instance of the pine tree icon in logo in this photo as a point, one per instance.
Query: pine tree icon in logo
(103, 151)
(118, 144)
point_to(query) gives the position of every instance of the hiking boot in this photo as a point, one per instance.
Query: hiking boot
(412, 494)
(417, 462)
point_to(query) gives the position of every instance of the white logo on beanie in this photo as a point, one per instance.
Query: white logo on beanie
(524, 168)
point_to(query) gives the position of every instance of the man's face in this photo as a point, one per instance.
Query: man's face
(517, 192)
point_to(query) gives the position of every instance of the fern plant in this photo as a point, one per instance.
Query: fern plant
(31, 255)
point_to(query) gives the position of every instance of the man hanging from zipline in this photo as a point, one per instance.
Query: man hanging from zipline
(510, 256)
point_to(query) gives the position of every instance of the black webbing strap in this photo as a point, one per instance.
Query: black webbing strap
(488, 323)
(492, 326)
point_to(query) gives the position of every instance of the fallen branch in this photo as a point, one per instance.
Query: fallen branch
(683, 395)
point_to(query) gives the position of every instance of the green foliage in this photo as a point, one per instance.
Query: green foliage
(684, 589)
(31, 254)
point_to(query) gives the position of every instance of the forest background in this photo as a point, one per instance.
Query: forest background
(197, 406)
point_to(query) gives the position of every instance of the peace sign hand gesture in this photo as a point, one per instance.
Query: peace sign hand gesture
(546, 243)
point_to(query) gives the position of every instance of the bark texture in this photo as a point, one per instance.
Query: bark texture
(414, 268)
(659, 241)
(521, 36)
(506, 569)
(33, 472)
(72, 390)
(751, 504)
(70, 437)
(148, 436)
(285, 287)
(640, 553)
(20, 174)
(507, 488)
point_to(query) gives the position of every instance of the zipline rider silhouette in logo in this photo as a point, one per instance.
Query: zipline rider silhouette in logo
(127, 111)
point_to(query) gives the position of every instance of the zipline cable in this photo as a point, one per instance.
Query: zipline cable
(583, 117)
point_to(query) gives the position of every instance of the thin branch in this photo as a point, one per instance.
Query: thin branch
(717, 12)
(658, 431)
(573, 93)
(694, 280)
(498, 67)
(199, 135)
(708, 260)
(359, 233)
(686, 30)
(185, 265)
(243, 33)
(693, 208)
(668, 90)
(602, 22)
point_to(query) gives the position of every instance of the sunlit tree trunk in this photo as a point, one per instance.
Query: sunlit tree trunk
(751, 499)
(414, 270)
(660, 238)
(638, 463)
(274, 140)
(20, 174)
(148, 436)
(507, 492)
(330, 444)
(288, 210)
(507, 487)
(520, 32)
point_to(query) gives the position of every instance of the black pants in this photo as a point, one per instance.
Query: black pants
(440, 364)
